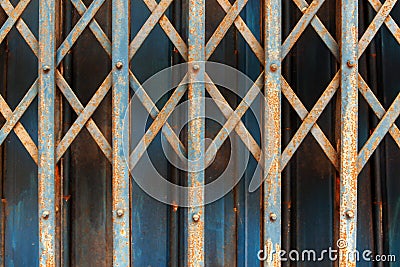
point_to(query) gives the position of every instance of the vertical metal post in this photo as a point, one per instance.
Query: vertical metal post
(196, 92)
(46, 162)
(120, 100)
(272, 132)
(348, 130)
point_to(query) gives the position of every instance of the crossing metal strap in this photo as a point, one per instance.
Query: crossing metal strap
(388, 118)
(13, 117)
(46, 162)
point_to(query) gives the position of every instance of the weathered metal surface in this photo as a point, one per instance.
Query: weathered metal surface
(348, 129)
(120, 99)
(196, 134)
(46, 138)
(236, 217)
(271, 132)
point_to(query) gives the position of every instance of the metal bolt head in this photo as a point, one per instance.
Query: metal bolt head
(46, 68)
(350, 63)
(273, 67)
(45, 214)
(350, 214)
(196, 217)
(273, 217)
(196, 67)
(119, 65)
(120, 212)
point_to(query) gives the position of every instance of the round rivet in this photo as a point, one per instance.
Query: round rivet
(304, 9)
(273, 67)
(350, 63)
(350, 214)
(45, 214)
(120, 212)
(196, 67)
(46, 68)
(196, 217)
(272, 216)
(119, 65)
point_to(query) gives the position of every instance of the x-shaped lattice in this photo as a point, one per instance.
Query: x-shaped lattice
(13, 117)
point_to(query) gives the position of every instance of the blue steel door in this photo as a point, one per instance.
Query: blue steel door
(318, 123)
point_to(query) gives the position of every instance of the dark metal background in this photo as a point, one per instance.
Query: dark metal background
(234, 225)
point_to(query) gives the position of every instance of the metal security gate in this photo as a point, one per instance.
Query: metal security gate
(326, 151)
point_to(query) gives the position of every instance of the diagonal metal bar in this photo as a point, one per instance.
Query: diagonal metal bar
(78, 108)
(379, 133)
(375, 25)
(234, 119)
(94, 27)
(301, 26)
(224, 26)
(152, 109)
(148, 27)
(316, 131)
(169, 29)
(20, 131)
(182, 48)
(390, 23)
(158, 122)
(377, 107)
(79, 27)
(33, 44)
(227, 111)
(245, 31)
(83, 117)
(12, 18)
(18, 112)
(309, 121)
(320, 29)
(13, 118)
(333, 47)
(21, 27)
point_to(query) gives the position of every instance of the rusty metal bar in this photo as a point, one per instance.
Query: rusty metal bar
(148, 26)
(83, 117)
(224, 26)
(348, 129)
(271, 132)
(301, 26)
(46, 161)
(375, 25)
(389, 21)
(379, 133)
(377, 107)
(196, 133)
(233, 120)
(309, 121)
(120, 100)
(94, 27)
(79, 27)
(157, 124)
(13, 17)
(152, 109)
